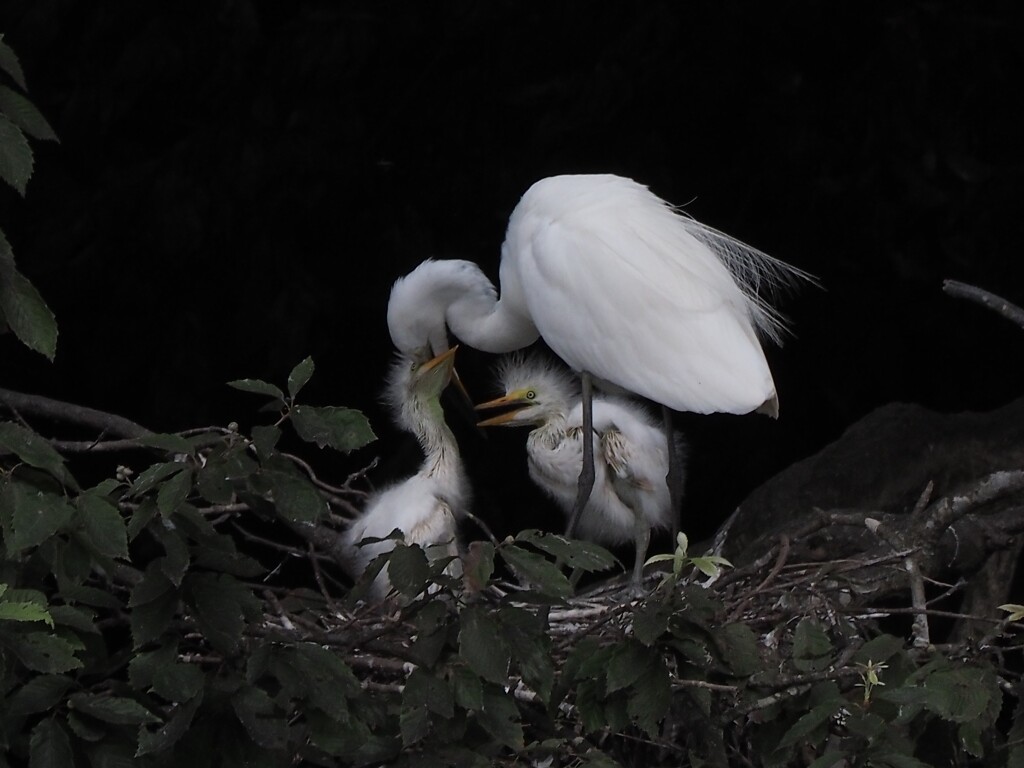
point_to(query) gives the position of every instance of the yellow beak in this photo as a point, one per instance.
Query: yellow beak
(502, 419)
(441, 359)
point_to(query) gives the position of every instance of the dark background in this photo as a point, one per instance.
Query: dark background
(239, 182)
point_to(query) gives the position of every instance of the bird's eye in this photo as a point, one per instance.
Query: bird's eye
(531, 395)
(414, 367)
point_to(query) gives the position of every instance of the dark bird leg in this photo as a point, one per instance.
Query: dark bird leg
(586, 481)
(642, 539)
(674, 478)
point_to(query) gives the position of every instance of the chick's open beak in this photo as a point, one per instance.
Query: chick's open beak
(445, 358)
(506, 418)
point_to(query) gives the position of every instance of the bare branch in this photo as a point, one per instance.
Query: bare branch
(998, 304)
(81, 415)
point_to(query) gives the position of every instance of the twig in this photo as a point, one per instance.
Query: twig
(482, 526)
(271, 598)
(998, 304)
(314, 561)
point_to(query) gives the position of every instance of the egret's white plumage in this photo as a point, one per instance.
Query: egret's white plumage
(427, 506)
(619, 284)
(623, 287)
(630, 495)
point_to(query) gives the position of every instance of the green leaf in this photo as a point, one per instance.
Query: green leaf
(878, 649)
(143, 666)
(9, 63)
(50, 746)
(295, 497)
(331, 676)
(175, 563)
(431, 634)
(482, 646)
(265, 439)
(43, 652)
(219, 601)
(177, 681)
(15, 156)
(257, 387)
(300, 376)
(478, 565)
(739, 647)
(154, 584)
(589, 704)
(173, 492)
(257, 712)
(141, 517)
(650, 620)
(81, 619)
(10, 611)
(811, 726)
(595, 758)
(151, 619)
(897, 760)
(85, 728)
(811, 647)
(1015, 737)
(217, 479)
(343, 429)
(150, 477)
(576, 553)
(528, 639)
(34, 451)
(167, 735)
(408, 569)
(500, 718)
(36, 515)
(628, 662)
(960, 695)
(117, 710)
(39, 694)
(831, 758)
(650, 697)
(423, 694)
(540, 572)
(103, 525)
(23, 310)
(467, 689)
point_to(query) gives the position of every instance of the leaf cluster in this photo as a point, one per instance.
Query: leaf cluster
(144, 621)
(22, 309)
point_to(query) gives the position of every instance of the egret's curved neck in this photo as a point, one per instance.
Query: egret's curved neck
(491, 325)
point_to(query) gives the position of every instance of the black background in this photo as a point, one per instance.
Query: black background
(239, 182)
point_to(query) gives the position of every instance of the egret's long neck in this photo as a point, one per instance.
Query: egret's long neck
(425, 419)
(490, 325)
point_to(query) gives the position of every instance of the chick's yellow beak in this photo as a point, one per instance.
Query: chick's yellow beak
(503, 419)
(445, 358)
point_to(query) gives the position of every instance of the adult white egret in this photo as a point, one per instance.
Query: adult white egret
(630, 494)
(625, 289)
(427, 506)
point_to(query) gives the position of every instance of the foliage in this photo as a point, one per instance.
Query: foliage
(146, 619)
(22, 309)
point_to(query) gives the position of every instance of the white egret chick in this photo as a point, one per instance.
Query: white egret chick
(626, 289)
(630, 494)
(427, 506)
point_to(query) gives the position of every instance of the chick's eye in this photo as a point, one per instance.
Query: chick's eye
(531, 395)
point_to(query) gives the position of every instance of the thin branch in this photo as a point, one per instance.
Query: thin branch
(989, 300)
(57, 410)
